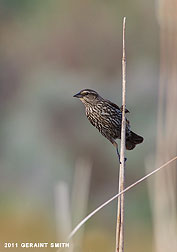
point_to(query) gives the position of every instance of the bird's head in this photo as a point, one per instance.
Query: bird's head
(88, 96)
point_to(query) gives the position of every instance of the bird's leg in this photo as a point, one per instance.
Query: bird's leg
(117, 150)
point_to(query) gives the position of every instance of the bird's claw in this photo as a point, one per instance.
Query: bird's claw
(125, 159)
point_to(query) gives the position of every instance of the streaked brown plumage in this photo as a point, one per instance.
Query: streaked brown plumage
(106, 117)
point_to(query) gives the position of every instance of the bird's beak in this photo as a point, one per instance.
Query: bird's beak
(78, 95)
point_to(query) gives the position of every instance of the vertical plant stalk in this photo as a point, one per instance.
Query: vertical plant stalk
(120, 207)
(164, 207)
(63, 214)
(80, 195)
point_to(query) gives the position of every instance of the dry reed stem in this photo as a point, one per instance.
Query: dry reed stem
(164, 207)
(120, 206)
(80, 194)
(62, 209)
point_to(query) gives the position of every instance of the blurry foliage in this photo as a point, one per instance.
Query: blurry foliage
(17, 6)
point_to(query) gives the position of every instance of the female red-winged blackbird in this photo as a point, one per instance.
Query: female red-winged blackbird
(107, 117)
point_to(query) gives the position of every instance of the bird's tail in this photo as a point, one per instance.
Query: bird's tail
(133, 140)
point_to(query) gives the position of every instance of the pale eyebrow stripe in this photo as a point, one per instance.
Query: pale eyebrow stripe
(88, 92)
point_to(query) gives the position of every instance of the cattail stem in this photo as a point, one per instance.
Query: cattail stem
(120, 207)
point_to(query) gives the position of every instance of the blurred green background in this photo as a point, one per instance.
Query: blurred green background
(50, 50)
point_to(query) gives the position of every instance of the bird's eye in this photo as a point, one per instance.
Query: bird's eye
(85, 93)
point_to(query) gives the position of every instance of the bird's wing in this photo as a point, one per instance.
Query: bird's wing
(117, 107)
(113, 104)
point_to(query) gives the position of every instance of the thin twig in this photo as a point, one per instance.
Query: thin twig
(120, 205)
(116, 196)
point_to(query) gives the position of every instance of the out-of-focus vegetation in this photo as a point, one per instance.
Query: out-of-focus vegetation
(49, 51)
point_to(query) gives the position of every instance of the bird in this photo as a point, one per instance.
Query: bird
(106, 116)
